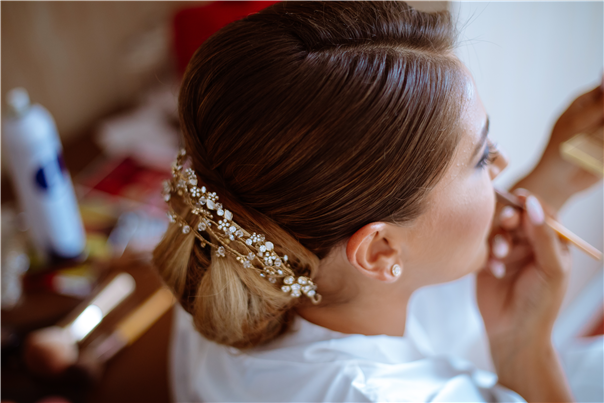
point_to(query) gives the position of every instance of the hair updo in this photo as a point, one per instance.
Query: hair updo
(309, 120)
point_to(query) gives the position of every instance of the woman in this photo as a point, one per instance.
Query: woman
(339, 161)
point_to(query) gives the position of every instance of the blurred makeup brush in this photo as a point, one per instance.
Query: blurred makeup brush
(129, 329)
(51, 350)
(510, 199)
(85, 367)
(93, 358)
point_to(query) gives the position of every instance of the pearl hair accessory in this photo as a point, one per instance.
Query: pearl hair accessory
(253, 251)
(396, 270)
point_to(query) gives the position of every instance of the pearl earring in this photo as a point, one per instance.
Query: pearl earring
(396, 270)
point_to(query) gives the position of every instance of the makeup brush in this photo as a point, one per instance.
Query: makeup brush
(51, 350)
(127, 331)
(510, 199)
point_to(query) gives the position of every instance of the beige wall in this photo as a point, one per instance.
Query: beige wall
(82, 60)
(430, 5)
(526, 76)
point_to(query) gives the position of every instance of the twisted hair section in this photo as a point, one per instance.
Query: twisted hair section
(310, 120)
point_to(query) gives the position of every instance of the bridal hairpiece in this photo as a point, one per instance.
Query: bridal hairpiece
(253, 251)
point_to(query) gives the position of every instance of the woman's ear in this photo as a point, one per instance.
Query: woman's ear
(372, 252)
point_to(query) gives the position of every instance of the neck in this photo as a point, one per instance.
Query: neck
(368, 316)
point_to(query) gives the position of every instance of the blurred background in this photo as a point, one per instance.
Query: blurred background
(84, 60)
(530, 60)
(108, 73)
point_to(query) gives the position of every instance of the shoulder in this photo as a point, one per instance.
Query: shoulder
(285, 370)
(316, 364)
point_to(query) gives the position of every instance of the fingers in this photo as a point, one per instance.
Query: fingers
(587, 111)
(500, 246)
(519, 253)
(509, 218)
(497, 268)
(590, 96)
(547, 247)
(534, 211)
(512, 242)
(507, 254)
(519, 256)
(504, 241)
(588, 117)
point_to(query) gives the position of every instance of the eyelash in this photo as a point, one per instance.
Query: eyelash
(489, 156)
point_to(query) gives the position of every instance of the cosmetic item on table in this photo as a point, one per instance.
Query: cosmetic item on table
(127, 331)
(51, 350)
(74, 280)
(77, 281)
(132, 191)
(93, 312)
(510, 199)
(14, 261)
(42, 182)
(586, 150)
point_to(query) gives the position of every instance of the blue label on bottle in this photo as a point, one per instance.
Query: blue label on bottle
(51, 174)
(41, 179)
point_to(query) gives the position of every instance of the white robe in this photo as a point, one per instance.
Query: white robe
(442, 357)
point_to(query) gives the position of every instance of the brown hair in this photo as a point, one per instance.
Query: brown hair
(309, 120)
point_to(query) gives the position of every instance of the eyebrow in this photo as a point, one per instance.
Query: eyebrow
(483, 137)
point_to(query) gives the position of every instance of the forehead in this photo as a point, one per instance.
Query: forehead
(472, 121)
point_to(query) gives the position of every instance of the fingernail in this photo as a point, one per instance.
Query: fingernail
(507, 212)
(500, 246)
(534, 210)
(497, 268)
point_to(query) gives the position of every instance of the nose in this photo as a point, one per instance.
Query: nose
(500, 163)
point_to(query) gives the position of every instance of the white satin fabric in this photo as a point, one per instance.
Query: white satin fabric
(443, 357)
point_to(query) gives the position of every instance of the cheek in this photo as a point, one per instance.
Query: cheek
(477, 213)
(450, 240)
(464, 228)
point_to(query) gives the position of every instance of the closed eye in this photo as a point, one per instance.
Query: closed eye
(489, 155)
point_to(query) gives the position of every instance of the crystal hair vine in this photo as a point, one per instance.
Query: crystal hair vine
(218, 222)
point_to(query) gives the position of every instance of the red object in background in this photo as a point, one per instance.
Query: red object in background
(127, 180)
(192, 26)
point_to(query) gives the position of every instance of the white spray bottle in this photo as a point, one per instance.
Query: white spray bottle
(42, 182)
